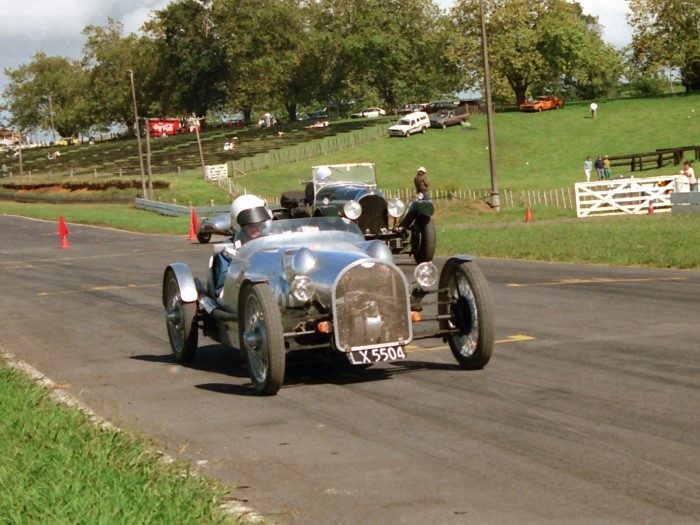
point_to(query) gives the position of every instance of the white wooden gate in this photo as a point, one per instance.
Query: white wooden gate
(627, 196)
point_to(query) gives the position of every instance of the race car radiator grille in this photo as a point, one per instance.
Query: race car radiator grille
(374, 215)
(371, 307)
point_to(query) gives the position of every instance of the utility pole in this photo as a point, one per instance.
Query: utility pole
(138, 135)
(148, 161)
(53, 128)
(495, 200)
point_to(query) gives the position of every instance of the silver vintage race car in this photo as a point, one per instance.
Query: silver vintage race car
(317, 284)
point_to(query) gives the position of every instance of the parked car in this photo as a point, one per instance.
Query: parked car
(69, 141)
(350, 191)
(316, 284)
(412, 108)
(369, 113)
(449, 117)
(542, 103)
(416, 122)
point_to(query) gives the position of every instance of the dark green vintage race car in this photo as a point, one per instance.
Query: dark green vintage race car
(350, 191)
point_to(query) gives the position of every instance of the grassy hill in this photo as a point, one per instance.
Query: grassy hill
(533, 150)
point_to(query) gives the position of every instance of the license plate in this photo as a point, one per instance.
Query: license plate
(376, 355)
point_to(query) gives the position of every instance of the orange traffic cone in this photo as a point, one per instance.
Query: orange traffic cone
(650, 211)
(193, 226)
(63, 232)
(528, 215)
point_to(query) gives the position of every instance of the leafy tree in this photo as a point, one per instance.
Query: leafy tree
(264, 42)
(385, 51)
(45, 85)
(536, 46)
(190, 69)
(667, 35)
(108, 57)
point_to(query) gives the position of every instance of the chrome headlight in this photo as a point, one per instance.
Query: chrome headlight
(352, 210)
(426, 274)
(395, 207)
(303, 288)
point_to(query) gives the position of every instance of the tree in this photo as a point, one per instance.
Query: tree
(537, 45)
(190, 68)
(108, 57)
(386, 51)
(667, 35)
(44, 85)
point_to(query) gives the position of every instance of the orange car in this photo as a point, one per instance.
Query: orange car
(542, 103)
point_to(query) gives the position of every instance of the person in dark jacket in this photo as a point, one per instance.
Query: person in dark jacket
(600, 167)
(421, 183)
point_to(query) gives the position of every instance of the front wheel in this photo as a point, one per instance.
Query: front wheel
(262, 339)
(181, 319)
(465, 297)
(203, 237)
(423, 239)
(422, 130)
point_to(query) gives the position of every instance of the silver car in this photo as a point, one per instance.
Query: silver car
(317, 284)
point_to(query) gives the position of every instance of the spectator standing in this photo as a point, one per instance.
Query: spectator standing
(587, 168)
(606, 167)
(421, 183)
(594, 110)
(600, 167)
(689, 172)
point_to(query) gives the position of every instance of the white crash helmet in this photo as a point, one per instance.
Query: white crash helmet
(322, 173)
(248, 209)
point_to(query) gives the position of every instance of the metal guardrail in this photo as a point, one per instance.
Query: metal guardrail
(177, 210)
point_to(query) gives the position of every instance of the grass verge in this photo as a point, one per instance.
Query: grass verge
(59, 466)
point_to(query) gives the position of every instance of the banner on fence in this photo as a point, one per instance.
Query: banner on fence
(216, 172)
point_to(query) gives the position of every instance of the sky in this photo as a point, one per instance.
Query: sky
(55, 27)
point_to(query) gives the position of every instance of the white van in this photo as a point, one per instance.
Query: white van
(409, 124)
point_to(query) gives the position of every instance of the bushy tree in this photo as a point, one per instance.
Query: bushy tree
(667, 35)
(536, 46)
(109, 56)
(48, 84)
(189, 71)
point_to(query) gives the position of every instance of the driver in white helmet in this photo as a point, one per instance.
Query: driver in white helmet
(249, 220)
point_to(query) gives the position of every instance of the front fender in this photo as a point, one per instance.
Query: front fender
(416, 208)
(185, 280)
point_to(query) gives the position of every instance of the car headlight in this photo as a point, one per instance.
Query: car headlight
(426, 274)
(303, 288)
(352, 210)
(395, 207)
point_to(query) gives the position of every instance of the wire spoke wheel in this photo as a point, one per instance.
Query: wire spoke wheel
(468, 302)
(262, 339)
(181, 321)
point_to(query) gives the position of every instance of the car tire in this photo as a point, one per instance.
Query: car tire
(423, 239)
(181, 320)
(443, 125)
(423, 129)
(467, 300)
(203, 237)
(261, 338)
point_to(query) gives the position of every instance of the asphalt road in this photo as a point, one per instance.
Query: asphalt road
(589, 411)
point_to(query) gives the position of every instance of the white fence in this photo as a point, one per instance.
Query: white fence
(627, 196)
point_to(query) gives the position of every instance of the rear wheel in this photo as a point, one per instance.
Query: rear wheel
(468, 302)
(203, 237)
(262, 339)
(423, 239)
(422, 130)
(181, 319)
